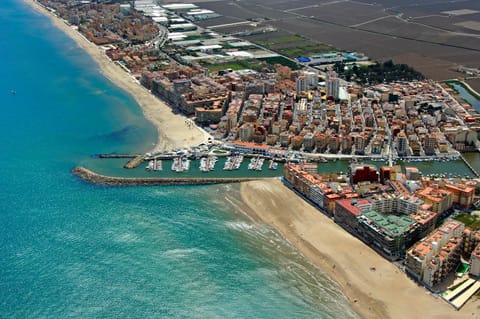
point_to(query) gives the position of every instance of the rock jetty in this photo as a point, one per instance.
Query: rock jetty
(95, 178)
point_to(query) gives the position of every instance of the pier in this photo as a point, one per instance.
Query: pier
(95, 178)
(469, 166)
(117, 155)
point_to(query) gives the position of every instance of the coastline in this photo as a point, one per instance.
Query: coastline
(173, 133)
(385, 292)
(313, 234)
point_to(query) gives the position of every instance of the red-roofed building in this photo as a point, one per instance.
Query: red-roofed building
(462, 194)
(347, 210)
(440, 199)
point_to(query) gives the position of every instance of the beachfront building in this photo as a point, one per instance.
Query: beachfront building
(444, 262)
(419, 257)
(470, 240)
(475, 262)
(390, 235)
(347, 212)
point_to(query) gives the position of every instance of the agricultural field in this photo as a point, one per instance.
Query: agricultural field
(234, 65)
(293, 45)
(433, 36)
(218, 21)
(352, 14)
(475, 84)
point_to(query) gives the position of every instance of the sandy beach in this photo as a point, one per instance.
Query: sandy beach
(173, 132)
(385, 292)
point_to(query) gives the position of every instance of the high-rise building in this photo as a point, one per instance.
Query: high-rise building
(402, 143)
(475, 262)
(332, 83)
(301, 84)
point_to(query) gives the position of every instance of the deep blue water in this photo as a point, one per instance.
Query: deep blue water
(74, 250)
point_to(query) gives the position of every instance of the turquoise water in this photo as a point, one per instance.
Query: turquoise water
(71, 249)
(469, 98)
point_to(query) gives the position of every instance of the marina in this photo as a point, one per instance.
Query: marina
(216, 164)
(233, 163)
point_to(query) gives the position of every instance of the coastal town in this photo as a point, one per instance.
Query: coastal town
(257, 104)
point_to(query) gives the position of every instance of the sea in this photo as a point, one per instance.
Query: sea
(69, 249)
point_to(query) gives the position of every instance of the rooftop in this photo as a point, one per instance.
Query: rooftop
(390, 225)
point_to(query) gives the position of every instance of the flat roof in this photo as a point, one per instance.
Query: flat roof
(390, 225)
(179, 6)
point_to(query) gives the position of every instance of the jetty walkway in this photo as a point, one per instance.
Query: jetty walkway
(95, 178)
(469, 166)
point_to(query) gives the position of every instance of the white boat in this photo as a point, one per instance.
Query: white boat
(149, 167)
(212, 160)
(175, 164)
(251, 165)
(238, 162)
(273, 165)
(204, 164)
(259, 165)
(228, 164)
(185, 164)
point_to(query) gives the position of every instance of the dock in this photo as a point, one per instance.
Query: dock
(469, 166)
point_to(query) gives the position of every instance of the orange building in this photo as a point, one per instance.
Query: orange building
(462, 194)
(440, 199)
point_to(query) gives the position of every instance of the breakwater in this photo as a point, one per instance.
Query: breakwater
(99, 179)
(134, 163)
(117, 155)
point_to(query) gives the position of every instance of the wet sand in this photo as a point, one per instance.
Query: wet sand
(385, 292)
(173, 132)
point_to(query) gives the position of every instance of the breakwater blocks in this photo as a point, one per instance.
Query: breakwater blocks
(95, 178)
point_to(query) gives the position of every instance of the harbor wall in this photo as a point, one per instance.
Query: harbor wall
(95, 178)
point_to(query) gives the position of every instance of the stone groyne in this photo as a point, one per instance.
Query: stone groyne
(95, 178)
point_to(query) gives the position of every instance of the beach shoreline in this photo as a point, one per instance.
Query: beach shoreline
(172, 129)
(375, 287)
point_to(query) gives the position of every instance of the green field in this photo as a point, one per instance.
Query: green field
(294, 46)
(274, 41)
(281, 60)
(307, 50)
(234, 65)
(473, 222)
